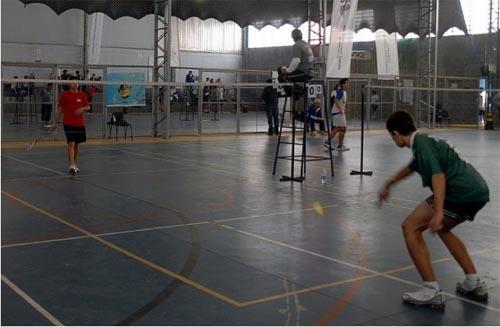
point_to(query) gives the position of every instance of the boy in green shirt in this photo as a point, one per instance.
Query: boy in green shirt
(459, 192)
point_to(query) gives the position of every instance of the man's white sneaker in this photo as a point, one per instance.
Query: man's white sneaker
(342, 148)
(479, 291)
(425, 296)
(77, 170)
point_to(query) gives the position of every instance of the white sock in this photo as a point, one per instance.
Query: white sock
(471, 277)
(471, 280)
(433, 285)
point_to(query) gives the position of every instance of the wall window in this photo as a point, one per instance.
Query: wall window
(209, 35)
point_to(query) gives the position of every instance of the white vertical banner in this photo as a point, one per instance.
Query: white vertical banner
(387, 55)
(175, 60)
(338, 64)
(94, 39)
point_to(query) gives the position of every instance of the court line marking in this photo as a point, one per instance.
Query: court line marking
(32, 302)
(228, 299)
(103, 234)
(33, 164)
(375, 273)
(341, 195)
(129, 254)
(132, 172)
(161, 227)
(324, 191)
(158, 156)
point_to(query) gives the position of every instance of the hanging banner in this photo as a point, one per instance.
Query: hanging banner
(387, 55)
(407, 94)
(338, 64)
(126, 94)
(175, 60)
(94, 39)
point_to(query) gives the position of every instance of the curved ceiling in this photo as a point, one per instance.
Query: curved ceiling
(391, 15)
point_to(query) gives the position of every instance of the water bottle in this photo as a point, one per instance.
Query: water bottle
(323, 176)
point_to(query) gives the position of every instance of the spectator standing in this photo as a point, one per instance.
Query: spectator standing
(270, 97)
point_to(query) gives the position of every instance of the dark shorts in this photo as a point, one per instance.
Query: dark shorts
(75, 134)
(342, 128)
(459, 211)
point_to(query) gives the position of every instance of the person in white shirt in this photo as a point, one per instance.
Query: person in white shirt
(339, 122)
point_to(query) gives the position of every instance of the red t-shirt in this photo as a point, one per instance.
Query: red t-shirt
(69, 102)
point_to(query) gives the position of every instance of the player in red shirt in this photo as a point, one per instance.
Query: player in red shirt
(72, 104)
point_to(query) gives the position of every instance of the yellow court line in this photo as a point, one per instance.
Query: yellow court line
(231, 301)
(372, 272)
(129, 254)
(32, 302)
(305, 290)
(350, 280)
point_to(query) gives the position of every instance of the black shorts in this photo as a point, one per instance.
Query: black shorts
(459, 211)
(342, 128)
(75, 134)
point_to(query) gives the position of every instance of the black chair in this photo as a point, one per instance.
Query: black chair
(117, 120)
(442, 116)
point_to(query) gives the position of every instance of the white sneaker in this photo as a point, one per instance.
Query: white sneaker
(342, 148)
(76, 169)
(478, 291)
(425, 296)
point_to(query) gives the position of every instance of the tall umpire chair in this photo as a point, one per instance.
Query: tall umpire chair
(297, 91)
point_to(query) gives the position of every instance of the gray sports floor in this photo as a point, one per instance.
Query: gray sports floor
(199, 232)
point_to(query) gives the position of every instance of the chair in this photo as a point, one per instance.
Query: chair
(117, 120)
(442, 116)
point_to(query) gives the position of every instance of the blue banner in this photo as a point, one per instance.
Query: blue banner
(126, 94)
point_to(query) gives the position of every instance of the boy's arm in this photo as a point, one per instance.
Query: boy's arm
(439, 190)
(82, 109)
(401, 174)
(58, 118)
(340, 105)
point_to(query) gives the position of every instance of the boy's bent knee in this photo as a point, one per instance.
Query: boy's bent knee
(409, 226)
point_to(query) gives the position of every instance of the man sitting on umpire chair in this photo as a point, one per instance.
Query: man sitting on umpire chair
(299, 69)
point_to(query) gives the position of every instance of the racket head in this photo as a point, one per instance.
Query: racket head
(30, 145)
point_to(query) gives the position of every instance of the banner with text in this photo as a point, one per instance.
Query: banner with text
(175, 58)
(94, 39)
(387, 55)
(338, 64)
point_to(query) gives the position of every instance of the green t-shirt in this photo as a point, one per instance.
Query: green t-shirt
(433, 156)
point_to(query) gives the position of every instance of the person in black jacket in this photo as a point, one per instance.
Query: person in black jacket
(270, 97)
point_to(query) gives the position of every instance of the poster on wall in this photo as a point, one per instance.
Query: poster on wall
(125, 94)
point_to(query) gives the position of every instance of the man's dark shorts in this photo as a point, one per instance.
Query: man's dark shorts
(75, 134)
(459, 211)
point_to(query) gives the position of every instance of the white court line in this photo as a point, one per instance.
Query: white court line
(96, 174)
(33, 164)
(272, 214)
(298, 249)
(32, 302)
(352, 265)
(147, 229)
(348, 199)
(104, 234)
